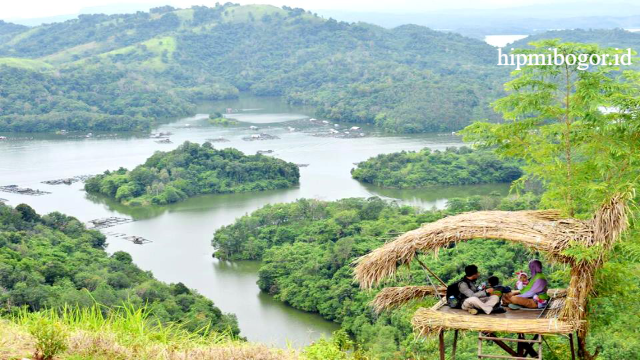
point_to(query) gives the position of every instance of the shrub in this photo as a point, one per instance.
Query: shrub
(50, 335)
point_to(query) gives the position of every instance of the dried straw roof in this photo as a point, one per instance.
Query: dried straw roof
(543, 231)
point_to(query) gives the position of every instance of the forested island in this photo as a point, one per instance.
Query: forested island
(190, 170)
(52, 261)
(126, 72)
(454, 166)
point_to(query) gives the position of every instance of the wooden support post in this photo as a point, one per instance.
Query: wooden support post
(520, 346)
(431, 272)
(573, 353)
(455, 345)
(441, 337)
(528, 347)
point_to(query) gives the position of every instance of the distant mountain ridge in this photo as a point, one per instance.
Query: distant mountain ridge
(103, 69)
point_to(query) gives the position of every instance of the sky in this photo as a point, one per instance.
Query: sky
(24, 9)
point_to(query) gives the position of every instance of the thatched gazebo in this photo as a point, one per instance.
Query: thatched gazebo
(543, 231)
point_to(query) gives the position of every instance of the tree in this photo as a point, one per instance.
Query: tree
(555, 123)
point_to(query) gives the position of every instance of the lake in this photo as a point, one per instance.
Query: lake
(180, 250)
(502, 40)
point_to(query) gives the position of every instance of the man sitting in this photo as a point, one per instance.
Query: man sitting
(488, 304)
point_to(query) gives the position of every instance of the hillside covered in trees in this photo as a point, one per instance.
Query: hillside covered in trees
(190, 170)
(52, 261)
(124, 72)
(455, 166)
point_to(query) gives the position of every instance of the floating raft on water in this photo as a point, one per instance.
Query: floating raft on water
(302, 165)
(15, 189)
(218, 139)
(263, 136)
(139, 240)
(264, 152)
(164, 141)
(108, 222)
(68, 181)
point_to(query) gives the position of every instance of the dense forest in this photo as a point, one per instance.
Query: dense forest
(454, 166)
(103, 70)
(50, 261)
(190, 170)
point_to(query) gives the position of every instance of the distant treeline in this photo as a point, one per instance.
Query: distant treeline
(454, 166)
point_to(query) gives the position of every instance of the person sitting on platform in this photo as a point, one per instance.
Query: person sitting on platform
(489, 304)
(533, 295)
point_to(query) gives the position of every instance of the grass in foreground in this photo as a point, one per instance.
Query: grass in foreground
(123, 333)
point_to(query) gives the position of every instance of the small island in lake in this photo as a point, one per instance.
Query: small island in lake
(190, 170)
(454, 166)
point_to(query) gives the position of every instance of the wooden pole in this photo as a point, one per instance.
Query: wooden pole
(441, 337)
(431, 272)
(455, 345)
(573, 352)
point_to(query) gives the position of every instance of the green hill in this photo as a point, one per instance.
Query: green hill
(109, 69)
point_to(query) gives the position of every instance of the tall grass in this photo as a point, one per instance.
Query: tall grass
(128, 332)
(132, 325)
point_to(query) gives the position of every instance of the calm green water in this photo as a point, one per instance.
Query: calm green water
(181, 233)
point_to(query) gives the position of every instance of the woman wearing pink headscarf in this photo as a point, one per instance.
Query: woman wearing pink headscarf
(532, 296)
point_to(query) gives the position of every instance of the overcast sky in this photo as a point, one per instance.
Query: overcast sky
(10, 9)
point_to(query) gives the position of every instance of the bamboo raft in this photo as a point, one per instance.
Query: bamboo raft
(98, 224)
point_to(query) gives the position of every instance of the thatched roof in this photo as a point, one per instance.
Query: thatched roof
(393, 297)
(545, 231)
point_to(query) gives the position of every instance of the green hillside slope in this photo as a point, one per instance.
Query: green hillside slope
(408, 79)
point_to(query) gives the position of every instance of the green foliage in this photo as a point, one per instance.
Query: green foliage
(51, 336)
(556, 124)
(218, 119)
(81, 99)
(52, 261)
(454, 166)
(190, 170)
